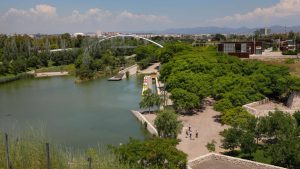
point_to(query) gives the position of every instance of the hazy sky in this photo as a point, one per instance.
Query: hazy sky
(57, 16)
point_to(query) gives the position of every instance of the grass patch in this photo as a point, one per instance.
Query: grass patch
(27, 151)
(11, 77)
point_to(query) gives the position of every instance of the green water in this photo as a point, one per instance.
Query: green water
(76, 115)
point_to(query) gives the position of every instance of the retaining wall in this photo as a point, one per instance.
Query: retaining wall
(143, 120)
(258, 113)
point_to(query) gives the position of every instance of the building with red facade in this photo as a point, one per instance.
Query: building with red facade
(241, 49)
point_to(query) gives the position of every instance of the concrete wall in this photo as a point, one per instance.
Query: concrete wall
(294, 101)
(143, 120)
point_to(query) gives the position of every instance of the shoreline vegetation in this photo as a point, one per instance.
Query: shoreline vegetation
(28, 151)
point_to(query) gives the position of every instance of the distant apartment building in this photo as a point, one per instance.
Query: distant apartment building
(241, 49)
(263, 32)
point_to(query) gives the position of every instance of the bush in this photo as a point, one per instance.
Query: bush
(236, 116)
(291, 52)
(211, 147)
(167, 124)
(154, 153)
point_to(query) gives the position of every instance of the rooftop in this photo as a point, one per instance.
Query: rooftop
(218, 161)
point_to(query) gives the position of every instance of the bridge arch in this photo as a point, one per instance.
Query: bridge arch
(133, 36)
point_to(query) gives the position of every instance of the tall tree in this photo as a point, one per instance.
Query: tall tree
(167, 124)
(154, 153)
(150, 100)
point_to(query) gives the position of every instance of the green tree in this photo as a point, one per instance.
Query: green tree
(236, 116)
(149, 100)
(231, 138)
(279, 124)
(85, 69)
(297, 117)
(18, 66)
(247, 142)
(286, 152)
(154, 153)
(211, 146)
(167, 124)
(184, 100)
(219, 37)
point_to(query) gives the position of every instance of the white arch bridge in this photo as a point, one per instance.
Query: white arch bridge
(132, 36)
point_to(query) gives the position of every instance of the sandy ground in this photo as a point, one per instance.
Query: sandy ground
(48, 74)
(208, 128)
(150, 69)
(271, 106)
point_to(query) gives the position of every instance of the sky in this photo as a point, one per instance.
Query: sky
(58, 16)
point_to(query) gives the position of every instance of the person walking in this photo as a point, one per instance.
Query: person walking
(191, 135)
(190, 129)
(197, 133)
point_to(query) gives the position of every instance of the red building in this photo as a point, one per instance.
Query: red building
(241, 49)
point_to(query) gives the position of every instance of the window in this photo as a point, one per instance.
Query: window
(229, 48)
(243, 48)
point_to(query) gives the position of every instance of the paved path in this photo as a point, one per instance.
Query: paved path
(132, 70)
(150, 69)
(208, 127)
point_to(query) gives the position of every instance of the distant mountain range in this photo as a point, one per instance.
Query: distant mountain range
(222, 30)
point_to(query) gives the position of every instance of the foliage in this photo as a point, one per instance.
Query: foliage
(167, 124)
(27, 151)
(230, 81)
(231, 138)
(85, 70)
(297, 117)
(247, 142)
(291, 52)
(219, 37)
(149, 100)
(236, 116)
(154, 153)
(211, 147)
(146, 54)
(170, 49)
(281, 138)
(184, 100)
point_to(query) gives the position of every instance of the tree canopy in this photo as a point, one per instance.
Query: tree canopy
(153, 153)
(167, 124)
(201, 72)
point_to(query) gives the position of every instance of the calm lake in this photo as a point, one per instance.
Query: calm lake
(75, 115)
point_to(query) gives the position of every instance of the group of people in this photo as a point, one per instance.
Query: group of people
(189, 133)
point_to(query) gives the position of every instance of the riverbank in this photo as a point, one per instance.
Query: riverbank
(11, 78)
